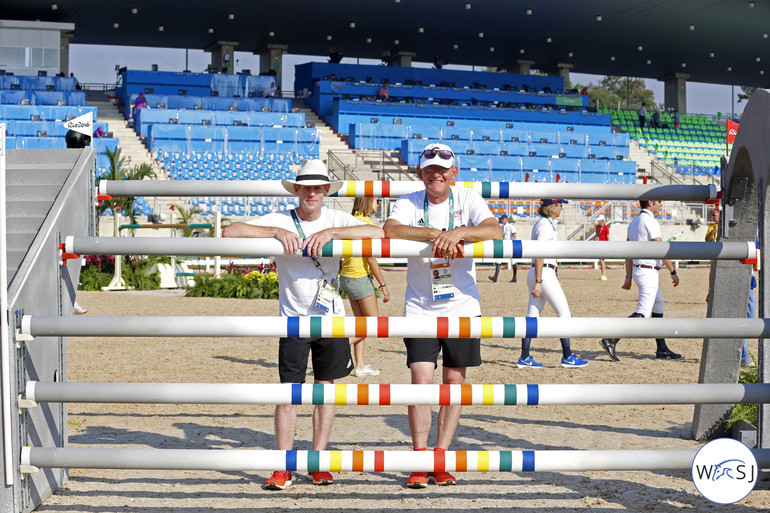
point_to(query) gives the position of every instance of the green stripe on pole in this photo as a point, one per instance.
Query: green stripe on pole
(318, 393)
(313, 461)
(327, 250)
(315, 327)
(506, 461)
(509, 397)
(509, 327)
(497, 249)
(486, 189)
(201, 225)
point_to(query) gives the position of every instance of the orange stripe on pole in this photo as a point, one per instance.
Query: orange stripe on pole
(358, 461)
(363, 394)
(368, 188)
(366, 248)
(466, 394)
(360, 330)
(442, 327)
(465, 327)
(461, 461)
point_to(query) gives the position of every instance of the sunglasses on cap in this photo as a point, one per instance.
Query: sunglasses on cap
(442, 154)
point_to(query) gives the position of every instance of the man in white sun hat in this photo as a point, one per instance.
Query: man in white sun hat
(308, 286)
(444, 286)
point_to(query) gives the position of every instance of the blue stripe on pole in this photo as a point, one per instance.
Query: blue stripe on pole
(533, 394)
(291, 461)
(292, 327)
(517, 249)
(531, 329)
(528, 461)
(503, 190)
(296, 393)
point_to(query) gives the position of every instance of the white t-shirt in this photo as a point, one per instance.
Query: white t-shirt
(545, 229)
(508, 231)
(298, 276)
(644, 227)
(470, 209)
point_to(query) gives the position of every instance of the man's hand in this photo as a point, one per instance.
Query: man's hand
(627, 283)
(290, 240)
(675, 279)
(315, 243)
(447, 243)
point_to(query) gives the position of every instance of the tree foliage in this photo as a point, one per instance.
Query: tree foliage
(620, 92)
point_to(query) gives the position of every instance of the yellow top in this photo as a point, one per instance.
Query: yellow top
(711, 233)
(356, 267)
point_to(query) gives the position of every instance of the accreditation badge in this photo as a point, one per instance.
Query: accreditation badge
(442, 286)
(324, 300)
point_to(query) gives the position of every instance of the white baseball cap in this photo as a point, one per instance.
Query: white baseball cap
(436, 154)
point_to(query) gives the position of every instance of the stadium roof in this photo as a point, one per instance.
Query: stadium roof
(715, 41)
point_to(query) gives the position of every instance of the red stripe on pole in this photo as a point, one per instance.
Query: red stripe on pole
(442, 327)
(444, 395)
(384, 394)
(439, 461)
(385, 245)
(379, 461)
(382, 327)
(385, 189)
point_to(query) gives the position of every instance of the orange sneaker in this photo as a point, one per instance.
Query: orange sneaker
(321, 478)
(280, 480)
(417, 480)
(442, 478)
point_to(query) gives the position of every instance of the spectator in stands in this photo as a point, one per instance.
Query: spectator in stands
(384, 93)
(99, 132)
(603, 234)
(642, 113)
(140, 103)
(302, 293)
(271, 92)
(655, 123)
(677, 120)
(445, 285)
(584, 91)
(77, 84)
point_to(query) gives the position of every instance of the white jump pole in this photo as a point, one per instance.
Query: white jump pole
(387, 189)
(33, 458)
(397, 248)
(395, 394)
(396, 327)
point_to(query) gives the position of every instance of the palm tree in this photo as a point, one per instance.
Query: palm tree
(187, 214)
(118, 171)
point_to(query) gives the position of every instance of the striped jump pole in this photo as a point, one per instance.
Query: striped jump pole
(396, 327)
(35, 458)
(398, 248)
(395, 394)
(388, 189)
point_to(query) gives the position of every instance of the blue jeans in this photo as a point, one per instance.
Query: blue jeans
(751, 312)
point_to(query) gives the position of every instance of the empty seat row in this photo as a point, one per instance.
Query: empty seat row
(38, 83)
(31, 97)
(43, 112)
(176, 101)
(147, 117)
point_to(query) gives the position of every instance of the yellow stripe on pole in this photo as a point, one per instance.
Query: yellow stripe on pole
(351, 188)
(483, 461)
(488, 395)
(338, 327)
(487, 327)
(347, 247)
(335, 461)
(340, 394)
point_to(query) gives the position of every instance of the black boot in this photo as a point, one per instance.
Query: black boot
(662, 351)
(609, 343)
(497, 271)
(515, 269)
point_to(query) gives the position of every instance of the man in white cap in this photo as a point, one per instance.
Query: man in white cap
(602, 233)
(308, 286)
(444, 286)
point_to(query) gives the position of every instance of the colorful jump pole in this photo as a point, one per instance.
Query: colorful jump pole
(396, 327)
(397, 248)
(387, 189)
(34, 458)
(395, 394)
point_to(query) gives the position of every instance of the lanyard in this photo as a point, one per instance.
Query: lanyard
(645, 211)
(302, 234)
(451, 211)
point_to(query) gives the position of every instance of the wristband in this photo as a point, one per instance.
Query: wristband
(538, 281)
(383, 285)
(628, 276)
(673, 273)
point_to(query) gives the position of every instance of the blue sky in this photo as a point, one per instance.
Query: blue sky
(96, 64)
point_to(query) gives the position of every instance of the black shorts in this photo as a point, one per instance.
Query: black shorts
(457, 352)
(331, 358)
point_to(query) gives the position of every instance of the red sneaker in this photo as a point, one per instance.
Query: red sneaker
(321, 478)
(280, 480)
(442, 478)
(417, 480)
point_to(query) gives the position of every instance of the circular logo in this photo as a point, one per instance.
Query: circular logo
(724, 471)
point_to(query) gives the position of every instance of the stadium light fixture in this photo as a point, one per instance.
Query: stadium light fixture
(468, 6)
(729, 68)
(761, 72)
(231, 16)
(328, 37)
(211, 30)
(570, 55)
(649, 61)
(491, 48)
(711, 55)
(599, 17)
(684, 64)
(134, 10)
(396, 42)
(160, 28)
(271, 34)
(758, 59)
(352, 24)
(521, 50)
(612, 58)
(116, 25)
(421, 30)
(54, 7)
(640, 48)
(368, 39)
(751, 5)
(481, 34)
(548, 39)
(692, 27)
(529, 12)
(764, 35)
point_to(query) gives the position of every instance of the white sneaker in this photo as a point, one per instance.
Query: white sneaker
(366, 371)
(78, 309)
